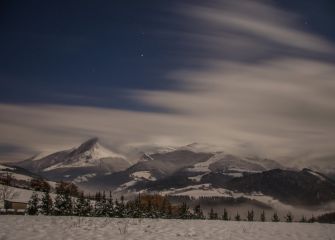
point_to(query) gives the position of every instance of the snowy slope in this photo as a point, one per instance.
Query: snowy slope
(4, 167)
(79, 163)
(207, 190)
(230, 163)
(75, 228)
(23, 195)
(16, 173)
(86, 155)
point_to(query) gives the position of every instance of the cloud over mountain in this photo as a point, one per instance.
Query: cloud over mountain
(262, 85)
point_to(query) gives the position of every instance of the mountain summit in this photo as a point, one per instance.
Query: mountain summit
(77, 164)
(192, 170)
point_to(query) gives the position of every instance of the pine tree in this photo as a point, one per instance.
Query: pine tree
(163, 209)
(63, 204)
(275, 217)
(250, 216)
(82, 206)
(138, 209)
(289, 217)
(183, 211)
(46, 207)
(170, 213)
(213, 215)
(117, 208)
(110, 206)
(237, 217)
(263, 216)
(77, 206)
(303, 219)
(104, 205)
(149, 209)
(312, 219)
(120, 208)
(32, 208)
(100, 205)
(225, 215)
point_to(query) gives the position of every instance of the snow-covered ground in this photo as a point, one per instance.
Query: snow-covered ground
(143, 175)
(17, 176)
(207, 190)
(54, 228)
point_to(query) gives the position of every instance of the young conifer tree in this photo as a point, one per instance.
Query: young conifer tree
(104, 212)
(263, 216)
(78, 208)
(303, 219)
(110, 206)
(63, 204)
(120, 208)
(250, 216)
(198, 214)
(183, 211)
(289, 217)
(237, 217)
(163, 208)
(33, 203)
(46, 207)
(275, 217)
(225, 215)
(213, 215)
(312, 219)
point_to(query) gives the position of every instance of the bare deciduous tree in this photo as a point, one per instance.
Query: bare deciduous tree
(6, 193)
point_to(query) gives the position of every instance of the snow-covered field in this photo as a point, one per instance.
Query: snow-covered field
(71, 228)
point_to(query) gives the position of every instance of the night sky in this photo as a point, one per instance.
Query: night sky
(60, 58)
(84, 53)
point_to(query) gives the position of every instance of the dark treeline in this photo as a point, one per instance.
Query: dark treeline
(71, 202)
(216, 201)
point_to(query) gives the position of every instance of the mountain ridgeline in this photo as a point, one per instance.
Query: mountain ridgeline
(191, 170)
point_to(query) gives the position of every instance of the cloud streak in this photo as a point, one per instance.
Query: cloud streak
(264, 86)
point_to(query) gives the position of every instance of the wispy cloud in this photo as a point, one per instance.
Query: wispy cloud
(264, 86)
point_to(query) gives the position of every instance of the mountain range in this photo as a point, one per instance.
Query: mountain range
(193, 170)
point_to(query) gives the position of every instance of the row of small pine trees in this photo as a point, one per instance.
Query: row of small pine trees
(144, 206)
(251, 217)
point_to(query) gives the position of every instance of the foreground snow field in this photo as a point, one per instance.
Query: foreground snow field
(71, 228)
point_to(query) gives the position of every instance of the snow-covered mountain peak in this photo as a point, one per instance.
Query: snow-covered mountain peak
(89, 157)
(314, 173)
(230, 163)
(92, 149)
(90, 153)
(201, 147)
(89, 144)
